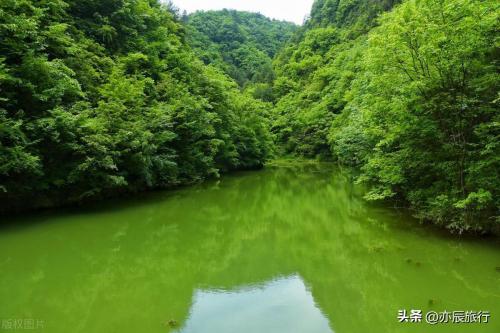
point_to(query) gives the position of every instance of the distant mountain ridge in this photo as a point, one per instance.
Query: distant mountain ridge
(243, 44)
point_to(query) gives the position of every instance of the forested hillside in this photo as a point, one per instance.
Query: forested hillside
(242, 44)
(410, 99)
(104, 97)
(316, 70)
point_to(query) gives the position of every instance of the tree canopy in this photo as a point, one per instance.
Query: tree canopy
(409, 98)
(105, 97)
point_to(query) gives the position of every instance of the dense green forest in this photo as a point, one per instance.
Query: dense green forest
(408, 93)
(104, 97)
(240, 43)
(111, 96)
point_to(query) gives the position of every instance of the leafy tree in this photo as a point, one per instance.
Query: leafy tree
(428, 97)
(105, 97)
(410, 99)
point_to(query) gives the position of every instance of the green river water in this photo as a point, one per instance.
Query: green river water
(291, 248)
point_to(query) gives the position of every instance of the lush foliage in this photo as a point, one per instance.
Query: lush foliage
(101, 97)
(315, 71)
(413, 103)
(242, 44)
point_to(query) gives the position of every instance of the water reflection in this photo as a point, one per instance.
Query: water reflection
(280, 306)
(135, 266)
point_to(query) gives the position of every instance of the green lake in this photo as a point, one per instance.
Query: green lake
(291, 248)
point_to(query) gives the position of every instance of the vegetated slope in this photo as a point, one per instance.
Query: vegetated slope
(102, 97)
(411, 99)
(316, 69)
(243, 44)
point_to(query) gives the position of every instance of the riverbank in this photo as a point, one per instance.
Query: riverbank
(286, 162)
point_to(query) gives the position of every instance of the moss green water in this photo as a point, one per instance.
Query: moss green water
(287, 249)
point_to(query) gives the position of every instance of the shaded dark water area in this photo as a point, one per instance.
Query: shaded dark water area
(291, 248)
